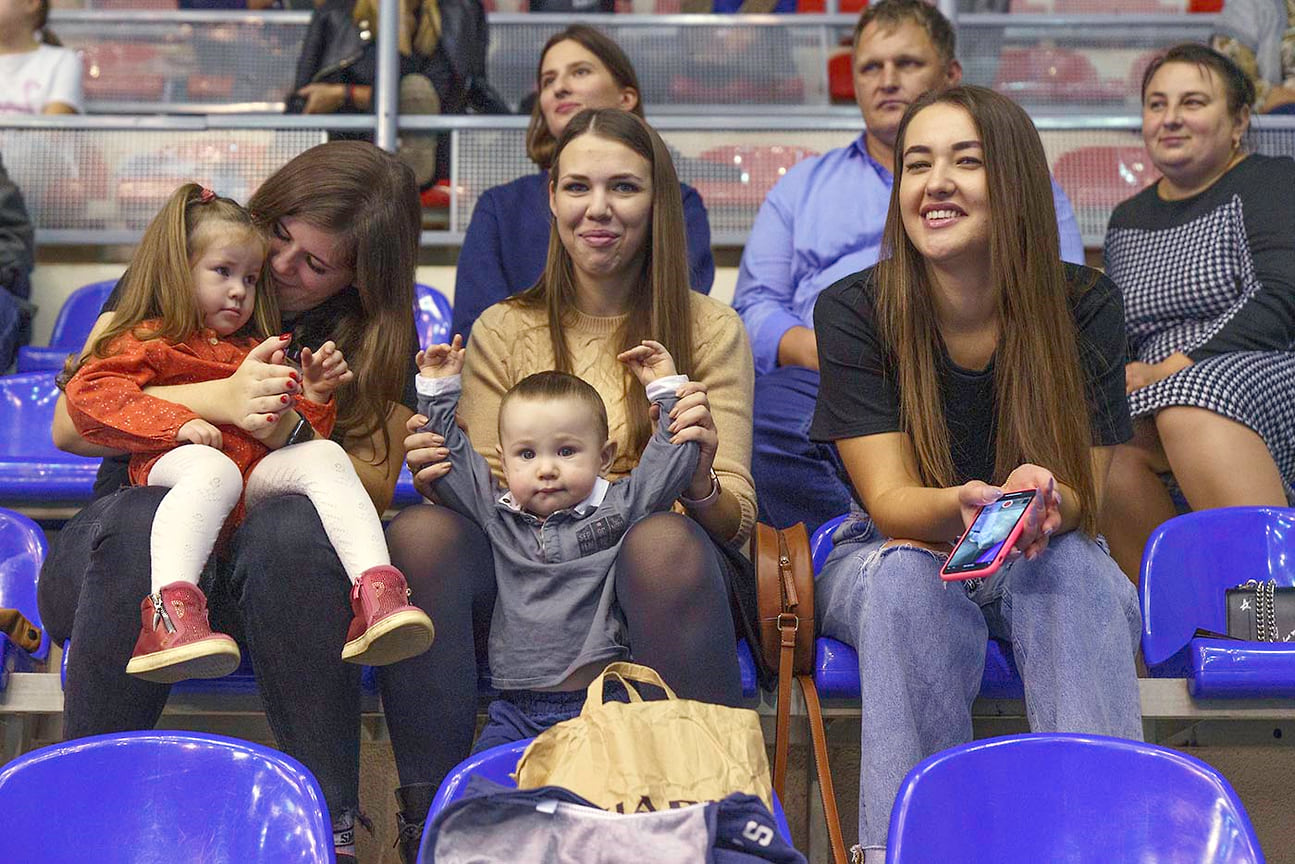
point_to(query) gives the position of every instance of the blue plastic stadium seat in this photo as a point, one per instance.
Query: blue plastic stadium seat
(836, 664)
(162, 796)
(497, 765)
(1082, 799)
(1189, 562)
(22, 550)
(432, 315)
(32, 469)
(71, 328)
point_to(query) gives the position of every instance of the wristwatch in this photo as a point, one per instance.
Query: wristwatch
(300, 433)
(711, 497)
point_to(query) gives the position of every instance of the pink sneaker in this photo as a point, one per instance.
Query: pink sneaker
(386, 628)
(175, 639)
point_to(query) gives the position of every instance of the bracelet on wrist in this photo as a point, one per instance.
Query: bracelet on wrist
(710, 498)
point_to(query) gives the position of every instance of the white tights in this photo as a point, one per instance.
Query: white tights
(205, 487)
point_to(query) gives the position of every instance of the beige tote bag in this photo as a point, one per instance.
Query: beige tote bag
(647, 756)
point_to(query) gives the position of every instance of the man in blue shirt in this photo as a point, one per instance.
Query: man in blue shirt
(821, 222)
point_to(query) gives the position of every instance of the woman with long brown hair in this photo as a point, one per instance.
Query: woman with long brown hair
(972, 362)
(343, 225)
(504, 249)
(614, 276)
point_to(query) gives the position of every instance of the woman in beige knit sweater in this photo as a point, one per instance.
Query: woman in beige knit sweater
(616, 274)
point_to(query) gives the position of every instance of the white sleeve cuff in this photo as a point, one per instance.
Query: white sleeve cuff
(433, 387)
(662, 387)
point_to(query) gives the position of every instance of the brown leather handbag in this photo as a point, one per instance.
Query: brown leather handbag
(784, 572)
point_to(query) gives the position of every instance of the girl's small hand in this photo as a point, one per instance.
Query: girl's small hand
(441, 361)
(648, 361)
(425, 454)
(323, 371)
(262, 386)
(199, 431)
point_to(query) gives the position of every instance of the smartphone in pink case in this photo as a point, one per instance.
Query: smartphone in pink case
(985, 545)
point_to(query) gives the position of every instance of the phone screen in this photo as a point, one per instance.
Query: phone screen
(993, 526)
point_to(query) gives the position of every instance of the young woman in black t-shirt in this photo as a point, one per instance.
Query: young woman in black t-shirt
(968, 363)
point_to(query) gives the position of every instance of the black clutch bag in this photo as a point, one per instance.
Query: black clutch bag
(1261, 612)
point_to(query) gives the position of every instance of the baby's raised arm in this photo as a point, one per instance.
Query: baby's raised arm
(441, 361)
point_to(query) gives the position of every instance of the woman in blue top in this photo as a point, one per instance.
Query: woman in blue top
(508, 238)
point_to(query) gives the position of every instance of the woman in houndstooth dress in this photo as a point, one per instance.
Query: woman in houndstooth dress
(1206, 261)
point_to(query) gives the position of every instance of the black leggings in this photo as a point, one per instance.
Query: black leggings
(671, 584)
(279, 588)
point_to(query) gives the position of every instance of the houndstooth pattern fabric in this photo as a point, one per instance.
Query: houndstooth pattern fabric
(1181, 286)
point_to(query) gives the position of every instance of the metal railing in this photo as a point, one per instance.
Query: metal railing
(237, 62)
(97, 180)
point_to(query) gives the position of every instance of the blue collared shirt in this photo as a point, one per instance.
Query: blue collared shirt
(820, 223)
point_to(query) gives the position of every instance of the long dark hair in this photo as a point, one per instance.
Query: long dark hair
(368, 200)
(660, 307)
(1041, 413)
(539, 141)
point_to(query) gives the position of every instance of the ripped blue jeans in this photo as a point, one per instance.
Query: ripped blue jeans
(1070, 616)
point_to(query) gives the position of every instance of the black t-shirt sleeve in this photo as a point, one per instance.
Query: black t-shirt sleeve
(1099, 318)
(1266, 320)
(856, 395)
(110, 305)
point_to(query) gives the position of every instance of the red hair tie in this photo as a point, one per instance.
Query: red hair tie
(206, 195)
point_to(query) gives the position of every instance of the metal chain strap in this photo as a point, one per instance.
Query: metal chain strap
(1265, 628)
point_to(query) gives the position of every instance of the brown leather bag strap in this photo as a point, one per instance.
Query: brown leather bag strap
(822, 767)
(787, 627)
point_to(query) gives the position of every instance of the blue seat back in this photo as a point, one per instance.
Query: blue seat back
(79, 312)
(22, 551)
(71, 328)
(1191, 560)
(432, 315)
(162, 796)
(497, 764)
(1072, 798)
(32, 469)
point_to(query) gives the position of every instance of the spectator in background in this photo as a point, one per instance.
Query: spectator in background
(1259, 36)
(1206, 260)
(36, 77)
(508, 238)
(821, 222)
(17, 254)
(443, 46)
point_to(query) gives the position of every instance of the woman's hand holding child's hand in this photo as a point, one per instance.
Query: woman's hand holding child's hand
(441, 361)
(262, 388)
(199, 431)
(323, 371)
(648, 361)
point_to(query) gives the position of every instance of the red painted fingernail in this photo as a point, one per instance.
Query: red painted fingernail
(292, 384)
(285, 336)
(269, 418)
(284, 399)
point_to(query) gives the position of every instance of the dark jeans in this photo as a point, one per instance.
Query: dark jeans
(278, 587)
(796, 479)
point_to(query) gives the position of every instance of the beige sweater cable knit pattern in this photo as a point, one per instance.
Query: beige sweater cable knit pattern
(508, 343)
